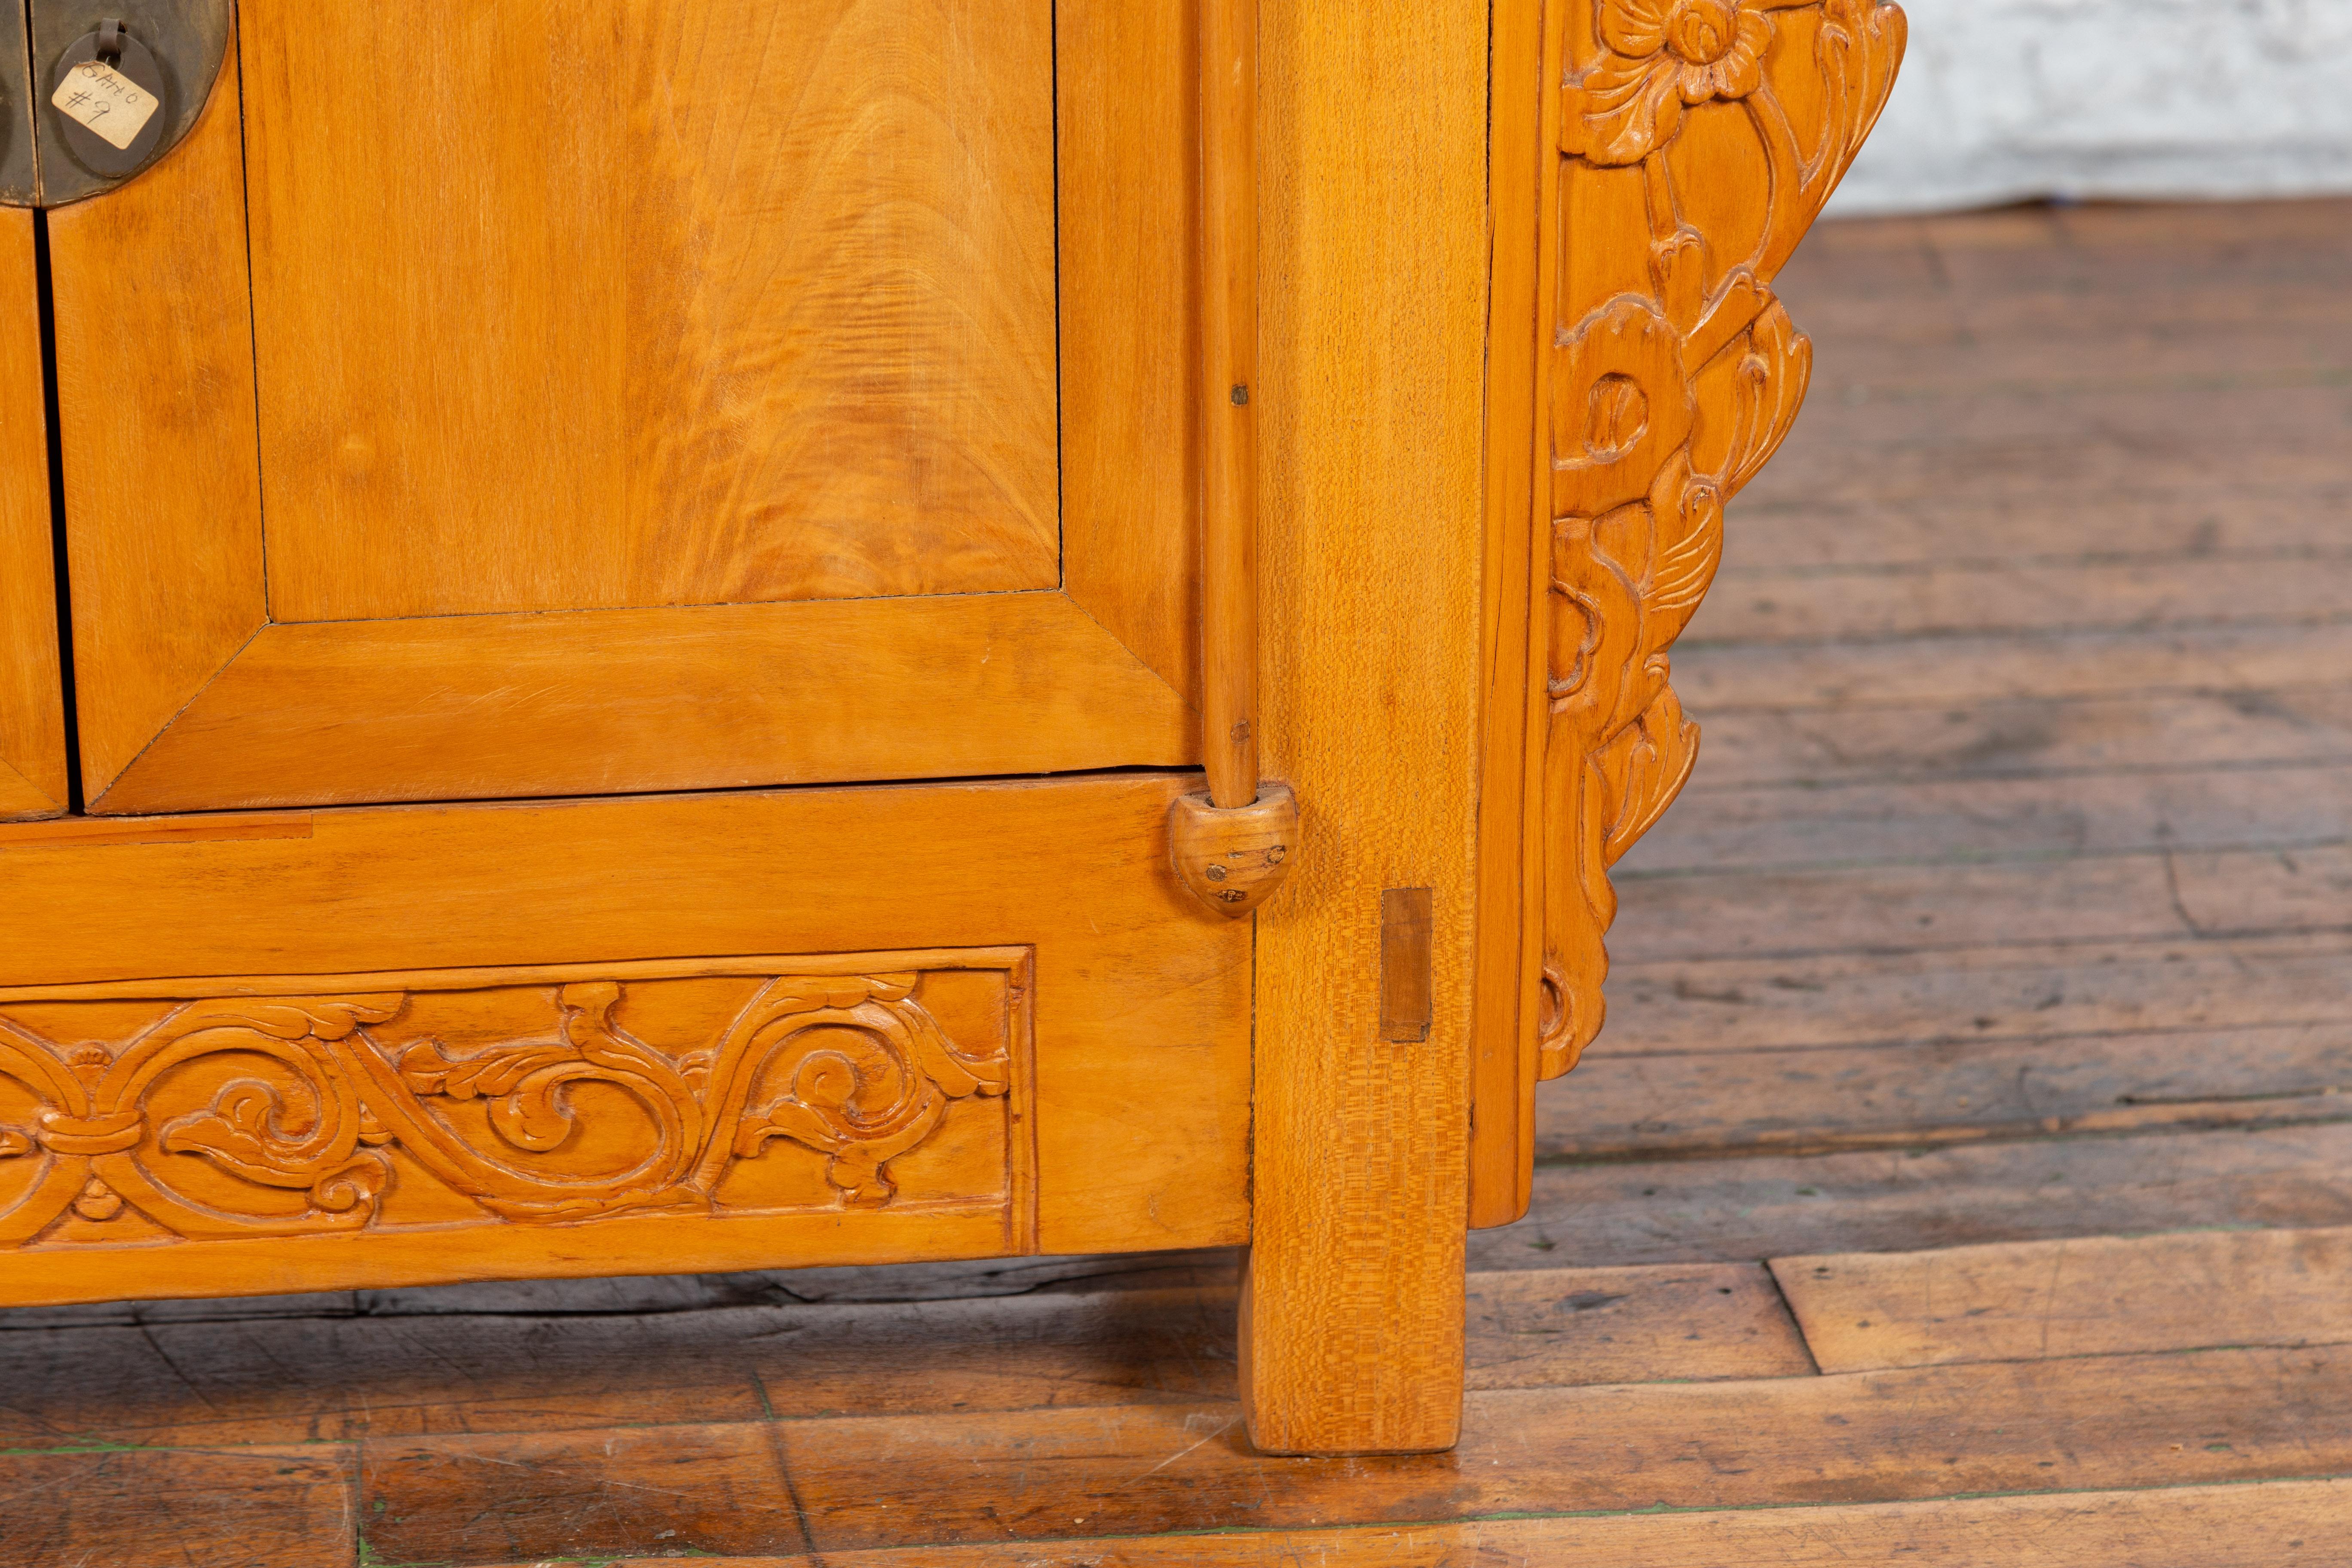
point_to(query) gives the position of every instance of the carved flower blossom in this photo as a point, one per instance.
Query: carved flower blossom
(1663, 54)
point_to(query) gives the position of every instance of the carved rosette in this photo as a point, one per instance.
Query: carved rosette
(266, 1116)
(1698, 142)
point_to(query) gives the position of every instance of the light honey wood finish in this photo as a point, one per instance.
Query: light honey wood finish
(1694, 158)
(1127, 90)
(867, 1103)
(1234, 859)
(162, 499)
(1680, 155)
(612, 702)
(1509, 971)
(127, 830)
(1373, 375)
(2093, 1296)
(223, 696)
(508, 1424)
(1141, 1053)
(727, 308)
(32, 712)
(1229, 327)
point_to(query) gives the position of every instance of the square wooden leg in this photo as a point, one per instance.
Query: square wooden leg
(1373, 375)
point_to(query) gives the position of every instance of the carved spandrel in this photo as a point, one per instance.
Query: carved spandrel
(761, 1086)
(1698, 142)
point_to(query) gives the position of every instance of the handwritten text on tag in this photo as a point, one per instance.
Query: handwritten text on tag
(97, 95)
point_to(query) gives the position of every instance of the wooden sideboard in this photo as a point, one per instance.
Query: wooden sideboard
(863, 631)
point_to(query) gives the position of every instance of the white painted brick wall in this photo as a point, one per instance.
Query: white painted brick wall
(2006, 99)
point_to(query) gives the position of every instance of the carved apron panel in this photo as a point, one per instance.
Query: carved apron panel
(216, 1110)
(1698, 140)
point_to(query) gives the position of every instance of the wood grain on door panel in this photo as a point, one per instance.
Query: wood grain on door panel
(197, 693)
(1128, 99)
(659, 303)
(162, 501)
(32, 728)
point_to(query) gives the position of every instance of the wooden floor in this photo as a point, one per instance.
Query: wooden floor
(1964, 1179)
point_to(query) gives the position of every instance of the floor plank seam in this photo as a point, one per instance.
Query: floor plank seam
(1833, 571)
(2210, 934)
(1947, 1042)
(2145, 630)
(1986, 857)
(1808, 786)
(1671, 1154)
(1994, 699)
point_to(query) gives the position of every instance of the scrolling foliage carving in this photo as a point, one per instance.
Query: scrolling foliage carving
(252, 1116)
(1698, 142)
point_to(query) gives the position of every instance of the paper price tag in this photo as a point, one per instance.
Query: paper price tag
(110, 104)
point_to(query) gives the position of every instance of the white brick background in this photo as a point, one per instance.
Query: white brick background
(2005, 100)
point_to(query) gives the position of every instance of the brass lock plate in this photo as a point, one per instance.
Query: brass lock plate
(175, 49)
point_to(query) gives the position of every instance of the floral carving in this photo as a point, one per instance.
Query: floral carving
(1665, 402)
(1663, 55)
(851, 1067)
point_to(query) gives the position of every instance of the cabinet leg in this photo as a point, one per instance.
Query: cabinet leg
(1322, 1376)
(1372, 540)
(1351, 1334)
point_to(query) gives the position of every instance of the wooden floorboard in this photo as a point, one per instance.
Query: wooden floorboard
(2053, 663)
(1975, 1114)
(1999, 990)
(2286, 805)
(1990, 597)
(2088, 1295)
(2252, 515)
(2283, 1524)
(165, 1508)
(2242, 731)
(1920, 1433)
(1926, 1194)
(1926, 1094)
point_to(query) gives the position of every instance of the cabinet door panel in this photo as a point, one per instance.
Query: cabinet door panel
(703, 304)
(32, 724)
(689, 413)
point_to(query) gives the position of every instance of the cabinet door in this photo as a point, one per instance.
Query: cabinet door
(32, 727)
(32, 710)
(492, 399)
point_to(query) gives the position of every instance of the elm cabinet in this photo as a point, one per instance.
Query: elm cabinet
(711, 637)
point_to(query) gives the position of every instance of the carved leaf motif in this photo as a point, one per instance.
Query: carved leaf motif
(863, 1082)
(1775, 370)
(334, 1019)
(527, 1108)
(853, 1068)
(1653, 760)
(244, 1132)
(1686, 512)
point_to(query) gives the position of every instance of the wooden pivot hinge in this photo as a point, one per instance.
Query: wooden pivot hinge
(1234, 859)
(1232, 842)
